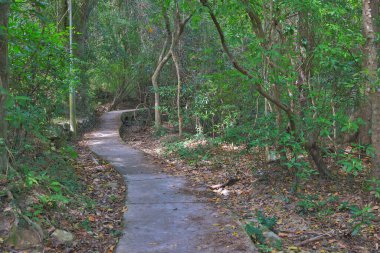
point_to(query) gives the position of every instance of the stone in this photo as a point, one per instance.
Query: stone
(62, 237)
(6, 223)
(272, 239)
(23, 238)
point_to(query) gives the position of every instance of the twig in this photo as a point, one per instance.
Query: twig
(297, 232)
(313, 239)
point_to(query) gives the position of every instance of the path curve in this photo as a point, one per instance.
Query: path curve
(162, 217)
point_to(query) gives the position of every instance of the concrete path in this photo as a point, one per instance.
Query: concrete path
(163, 216)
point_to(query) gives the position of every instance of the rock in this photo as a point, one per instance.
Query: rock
(225, 192)
(222, 191)
(272, 239)
(23, 238)
(62, 237)
(6, 223)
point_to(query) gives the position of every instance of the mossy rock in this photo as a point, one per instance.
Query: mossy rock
(23, 238)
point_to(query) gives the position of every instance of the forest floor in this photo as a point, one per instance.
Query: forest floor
(78, 205)
(321, 216)
(98, 228)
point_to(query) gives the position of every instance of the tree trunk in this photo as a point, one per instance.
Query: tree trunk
(375, 98)
(370, 66)
(179, 87)
(81, 24)
(4, 12)
(175, 56)
(315, 153)
(162, 60)
(155, 76)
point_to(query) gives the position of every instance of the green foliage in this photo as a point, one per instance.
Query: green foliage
(311, 204)
(256, 232)
(363, 217)
(352, 162)
(269, 222)
(373, 185)
(193, 153)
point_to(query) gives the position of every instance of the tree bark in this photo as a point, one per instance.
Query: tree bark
(370, 66)
(4, 76)
(162, 60)
(375, 98)
(179, 87)
(179, 28)
(81, 22)
(155, 76)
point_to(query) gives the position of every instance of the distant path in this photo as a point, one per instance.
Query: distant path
(163, 216)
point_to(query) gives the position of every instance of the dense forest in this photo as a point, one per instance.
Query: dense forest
(273, 105)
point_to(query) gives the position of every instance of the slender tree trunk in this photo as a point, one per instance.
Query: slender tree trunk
(72, 104)
(371, 64)
(175, 56)
(155, 76)
(162, 60)
(179, 87)
(4, 75)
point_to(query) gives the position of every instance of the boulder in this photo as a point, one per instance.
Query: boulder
(62, 237)
(272, 239)
(6, 223)
(24, 238)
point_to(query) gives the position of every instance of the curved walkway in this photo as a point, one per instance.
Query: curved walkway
(162, 217)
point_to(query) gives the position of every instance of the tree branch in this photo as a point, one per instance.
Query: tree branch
(240, 68)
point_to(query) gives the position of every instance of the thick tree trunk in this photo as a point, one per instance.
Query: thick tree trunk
(4, 12)
(375, 98)
(370, 66)
(81, 22)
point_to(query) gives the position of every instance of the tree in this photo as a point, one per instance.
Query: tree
(371, 65)
(81, 24)
(72, 97)
(173, 37)
(310, 141)
(4, 12)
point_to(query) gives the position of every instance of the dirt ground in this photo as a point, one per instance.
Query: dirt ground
(93, 217)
